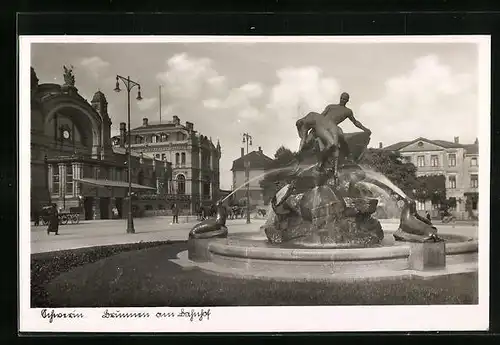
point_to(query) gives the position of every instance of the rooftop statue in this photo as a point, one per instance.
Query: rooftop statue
(69, 77)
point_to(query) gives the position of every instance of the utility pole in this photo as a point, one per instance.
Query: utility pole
(247, 138)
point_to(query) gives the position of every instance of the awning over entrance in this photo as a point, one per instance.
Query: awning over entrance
(112, 184)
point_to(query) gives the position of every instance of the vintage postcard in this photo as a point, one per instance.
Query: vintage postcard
(254, 184)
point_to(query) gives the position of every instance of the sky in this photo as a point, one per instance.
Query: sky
(400, 91)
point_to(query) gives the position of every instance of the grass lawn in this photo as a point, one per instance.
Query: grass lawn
(142, 275)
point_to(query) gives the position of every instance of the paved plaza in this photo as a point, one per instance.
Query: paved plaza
(108, 232)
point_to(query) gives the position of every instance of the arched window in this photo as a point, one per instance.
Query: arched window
(183, 158)
(181, 184)
(154, 138)
(163, 137)
(177, 159)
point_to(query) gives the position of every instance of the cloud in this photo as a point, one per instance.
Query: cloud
(189, 77)
(94, 65)
(239, 98)
(301, 90)
(431, 100)
(298, 91)
(147, 103)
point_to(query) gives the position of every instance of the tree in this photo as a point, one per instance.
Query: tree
(432, 187)
(392, 166)
(277, 172)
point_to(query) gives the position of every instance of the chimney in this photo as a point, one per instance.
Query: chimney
(456, 140)
(176, 120)
(260, 149)
(189, 126)
(123, 132)
(380, 145)
(242, 152)
(145, 121)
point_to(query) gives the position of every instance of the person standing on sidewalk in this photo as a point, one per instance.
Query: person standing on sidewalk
(53, 221)
(175, 214)
(428, 216)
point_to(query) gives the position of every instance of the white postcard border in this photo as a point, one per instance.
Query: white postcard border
(261, 319)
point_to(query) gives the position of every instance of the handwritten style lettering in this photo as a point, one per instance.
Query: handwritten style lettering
(165, 315)
(51, 315)
(192, 314)
(119, 315)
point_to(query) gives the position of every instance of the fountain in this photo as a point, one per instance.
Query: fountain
(321, 223)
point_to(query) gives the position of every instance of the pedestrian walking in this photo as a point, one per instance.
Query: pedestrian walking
(428, 216)
(53, 220)
(175, 214)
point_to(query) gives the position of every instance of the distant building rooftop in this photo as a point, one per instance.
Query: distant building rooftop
(469, 148)
(258, 160)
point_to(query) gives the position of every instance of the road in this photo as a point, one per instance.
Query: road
(108, 232)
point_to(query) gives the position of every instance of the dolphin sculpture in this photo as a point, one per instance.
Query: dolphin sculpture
(212, 227)
(413, 227)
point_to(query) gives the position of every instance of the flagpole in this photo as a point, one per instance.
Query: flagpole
(159, 97)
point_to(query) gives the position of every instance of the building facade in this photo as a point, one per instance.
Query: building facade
(194, 157)
(73, 162)
(458, 163)
(258, 164)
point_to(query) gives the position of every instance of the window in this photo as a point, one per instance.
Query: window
(163, 137)
(473, 162)
(69, 179)
(153, 139)
(452, 182)
(206, 187)
(434, 161)
(177, 159)
(452, 160)
(420, 206)
(183, 158)
(474, 182)
(436, 207)
(163, 156)
(421, 161)
(118, 174)
(55, 179)
(157, 156)
(140, 178)
(181, 184)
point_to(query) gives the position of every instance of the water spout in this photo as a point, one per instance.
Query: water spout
(268, 172)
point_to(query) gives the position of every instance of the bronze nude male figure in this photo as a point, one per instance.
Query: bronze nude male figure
(325, 129)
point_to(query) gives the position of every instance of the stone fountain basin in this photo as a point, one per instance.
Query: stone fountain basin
(251, 253)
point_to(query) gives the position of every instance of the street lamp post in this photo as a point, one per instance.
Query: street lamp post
(129, 85)
(247, 138)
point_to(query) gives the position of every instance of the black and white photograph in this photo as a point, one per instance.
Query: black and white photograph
(254, 184)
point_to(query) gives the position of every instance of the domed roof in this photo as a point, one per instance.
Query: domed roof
(99, 97)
